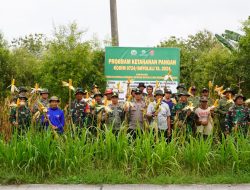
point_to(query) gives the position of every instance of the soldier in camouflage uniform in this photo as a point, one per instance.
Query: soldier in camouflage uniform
(22, 91)
(79, 110)
(180, 89)
(183, 116)
(97, 112)
(224, 104)
(20, 116)
(238, 117)
(116, 116)
(194, 98)
(44, 100)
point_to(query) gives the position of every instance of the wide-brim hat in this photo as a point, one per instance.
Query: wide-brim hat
(238, 96)
(54, 98)
(141, 84)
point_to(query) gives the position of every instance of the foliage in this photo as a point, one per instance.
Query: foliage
(46, 159)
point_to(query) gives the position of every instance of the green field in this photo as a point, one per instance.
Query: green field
(41, 158)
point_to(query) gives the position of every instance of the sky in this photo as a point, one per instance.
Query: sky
(140, 22)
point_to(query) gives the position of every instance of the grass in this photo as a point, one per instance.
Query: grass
(40, 158)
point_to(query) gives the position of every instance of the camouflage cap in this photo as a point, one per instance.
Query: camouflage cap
(98, 94)
(228, 90)
(44, 91)
(22, 89)
(54, 98)
(79, 91)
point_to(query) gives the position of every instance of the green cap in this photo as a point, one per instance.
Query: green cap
(79, 90)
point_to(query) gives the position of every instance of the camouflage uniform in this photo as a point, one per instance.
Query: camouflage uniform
(78, 112)
(115, 117)
(222, 110)
(182, 116)
(24, 118)
(237, 116)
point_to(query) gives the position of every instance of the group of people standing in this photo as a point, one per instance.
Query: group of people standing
(145, 108)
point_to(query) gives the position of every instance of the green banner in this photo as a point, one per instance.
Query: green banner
(142, 64)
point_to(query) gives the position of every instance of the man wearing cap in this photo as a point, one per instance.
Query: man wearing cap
(22, 91)
(204, 119)
(97, 117)
(160, 112)
(108, 94)
(167, 98)
(79, 110)
(224, 104)
(116, 116)
(150, 97)
(94, 90)
(20, 115)
(205, 92)
(55, 116)
(193, 97)
(135, 113)
(182, 114)
(180, 89)
(238, 117)
(141, 87)
(44, 100)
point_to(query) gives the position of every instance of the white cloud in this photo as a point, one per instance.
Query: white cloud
(141, 22)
